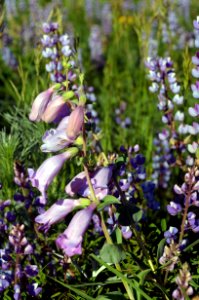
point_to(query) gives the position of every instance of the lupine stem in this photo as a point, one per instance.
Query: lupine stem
(187, 202)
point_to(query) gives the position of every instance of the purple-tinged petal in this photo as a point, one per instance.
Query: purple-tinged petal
(55, 140)
(31, 270)
(75, 122)
(174, 208)
(126, 232)
(56, 110)
(178, 190)
(43, 177)
(76, 184)
(63, 123)
(194, 111)
(39, 105)
(56, 213)
(34, 290)
(70, 241)
(196, 23)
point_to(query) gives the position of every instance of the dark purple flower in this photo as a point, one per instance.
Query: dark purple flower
(4, 282)
(34, 290)
(31, 270)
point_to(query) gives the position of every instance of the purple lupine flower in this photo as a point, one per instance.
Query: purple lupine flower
(196, 23)
(4, 204)
(194, 111)
(195, 89)
(99, 179)
(194, 129)
(174, 208)
(195, 72)
(43, 177)
(192, 148)
(28, 249)
(31, 270)
(17, 292)
(170, 234)
(34, 290)
(71, 240)
(39, 105)
(56, 213)
(4, 282)
(194, 224)
(178, 190)
(126, 232)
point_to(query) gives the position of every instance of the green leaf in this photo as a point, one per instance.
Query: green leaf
(112, 253)
(142, 275)
(55, 295)
(160, 248)
(112, 296)
(108, 200)
(137, 216)
(189, 247)
(163, 225)
(118, 235)
(78, 292)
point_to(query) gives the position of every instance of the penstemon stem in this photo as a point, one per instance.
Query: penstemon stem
(104, 228)
(117, 265)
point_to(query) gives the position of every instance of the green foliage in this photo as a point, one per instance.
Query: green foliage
(8, 146)
(112, 253)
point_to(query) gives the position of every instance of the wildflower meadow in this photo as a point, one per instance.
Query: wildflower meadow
(99, 149)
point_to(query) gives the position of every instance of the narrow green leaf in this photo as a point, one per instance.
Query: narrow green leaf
(78, 292)
(163, 225)
(160, 248)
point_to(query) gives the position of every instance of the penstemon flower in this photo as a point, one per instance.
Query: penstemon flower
(43, 177)
(70, 241)
(58, 211)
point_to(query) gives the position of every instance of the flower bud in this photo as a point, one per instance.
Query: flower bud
(75, 123)
(39, 105)
(56, 110)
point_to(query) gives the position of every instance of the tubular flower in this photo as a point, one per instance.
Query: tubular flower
(56, 213)
(70, 241)
(66, 132)
(100, 180)
(43, 177)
